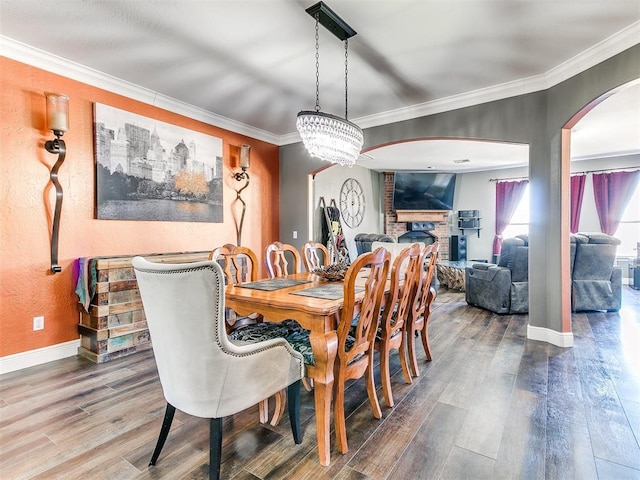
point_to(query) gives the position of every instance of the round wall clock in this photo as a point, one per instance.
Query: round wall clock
(352, 202)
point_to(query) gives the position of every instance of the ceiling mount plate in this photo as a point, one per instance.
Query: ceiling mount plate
(331, 21)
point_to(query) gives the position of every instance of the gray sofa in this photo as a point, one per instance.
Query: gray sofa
(364, 241)
(596, 283)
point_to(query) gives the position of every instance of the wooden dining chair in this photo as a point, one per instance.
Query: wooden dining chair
(356, 345)
(421, 307)
(278, 266)
(239, 264)
(405, 276)
(184, 308)
(311, 255)
(356, 333)
(276, 259)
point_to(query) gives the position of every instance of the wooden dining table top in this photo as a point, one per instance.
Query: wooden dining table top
(281, 300)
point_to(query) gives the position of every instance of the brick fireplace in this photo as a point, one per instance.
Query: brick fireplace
(395, 223)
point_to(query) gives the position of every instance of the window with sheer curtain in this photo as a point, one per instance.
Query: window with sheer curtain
(520, 221)
(629, 229)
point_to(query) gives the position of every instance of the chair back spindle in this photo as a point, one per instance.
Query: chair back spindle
(276, 259)
(311, 253)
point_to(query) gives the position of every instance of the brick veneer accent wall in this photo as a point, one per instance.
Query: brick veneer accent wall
(395, 229)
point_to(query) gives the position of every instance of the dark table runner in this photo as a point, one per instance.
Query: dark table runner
(330, 291)
(273, 284)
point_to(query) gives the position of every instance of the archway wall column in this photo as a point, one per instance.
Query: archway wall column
(536, 119)
(549, 280)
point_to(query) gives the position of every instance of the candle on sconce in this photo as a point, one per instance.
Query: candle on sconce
(57, 112)
(244, 156)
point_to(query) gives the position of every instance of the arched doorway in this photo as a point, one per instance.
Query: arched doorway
(601, 136)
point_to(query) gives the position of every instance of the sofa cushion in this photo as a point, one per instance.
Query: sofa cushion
(507, 251)
(520, 266)
(580, 238)
(599, 238)
(594, 261)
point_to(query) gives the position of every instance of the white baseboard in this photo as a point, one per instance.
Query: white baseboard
(541, 334)
(21, 360)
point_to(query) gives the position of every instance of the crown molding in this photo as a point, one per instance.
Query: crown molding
(615, 44)
(599, 156)
(607, 48)
(35, 57)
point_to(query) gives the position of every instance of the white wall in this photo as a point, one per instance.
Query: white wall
(475, 191)
(328, 183)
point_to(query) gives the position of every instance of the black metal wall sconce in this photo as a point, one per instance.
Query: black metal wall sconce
(58, 122)
(244, 154)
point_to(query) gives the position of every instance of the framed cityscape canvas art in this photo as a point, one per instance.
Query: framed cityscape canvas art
(152, 170)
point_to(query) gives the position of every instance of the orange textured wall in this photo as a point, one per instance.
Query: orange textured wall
(27, 288)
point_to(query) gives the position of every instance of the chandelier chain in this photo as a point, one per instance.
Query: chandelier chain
(317, 62)
(346, 79)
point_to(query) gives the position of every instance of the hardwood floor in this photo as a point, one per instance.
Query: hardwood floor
(491, 404)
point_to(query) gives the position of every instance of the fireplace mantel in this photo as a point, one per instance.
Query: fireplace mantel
(422, 215)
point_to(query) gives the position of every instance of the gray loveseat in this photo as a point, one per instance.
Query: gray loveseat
(596, 283)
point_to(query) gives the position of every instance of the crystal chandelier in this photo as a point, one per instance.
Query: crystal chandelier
(325, 136)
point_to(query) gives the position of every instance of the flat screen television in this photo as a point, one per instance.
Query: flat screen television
(423, 190)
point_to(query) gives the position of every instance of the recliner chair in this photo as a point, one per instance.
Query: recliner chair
(504, 288)
(364, 241)
(596, 280)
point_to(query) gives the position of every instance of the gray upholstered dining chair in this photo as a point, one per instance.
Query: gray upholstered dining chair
(202, 372)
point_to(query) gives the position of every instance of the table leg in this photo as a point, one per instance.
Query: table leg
(324, 346)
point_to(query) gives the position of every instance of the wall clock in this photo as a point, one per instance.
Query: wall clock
(352, 202)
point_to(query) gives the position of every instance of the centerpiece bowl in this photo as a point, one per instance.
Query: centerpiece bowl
(332, 273)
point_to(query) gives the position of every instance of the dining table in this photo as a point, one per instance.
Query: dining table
(316, 305)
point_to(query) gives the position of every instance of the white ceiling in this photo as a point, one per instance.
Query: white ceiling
(250, 65)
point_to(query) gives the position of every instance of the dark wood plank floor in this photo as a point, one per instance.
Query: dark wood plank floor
(490, 405)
